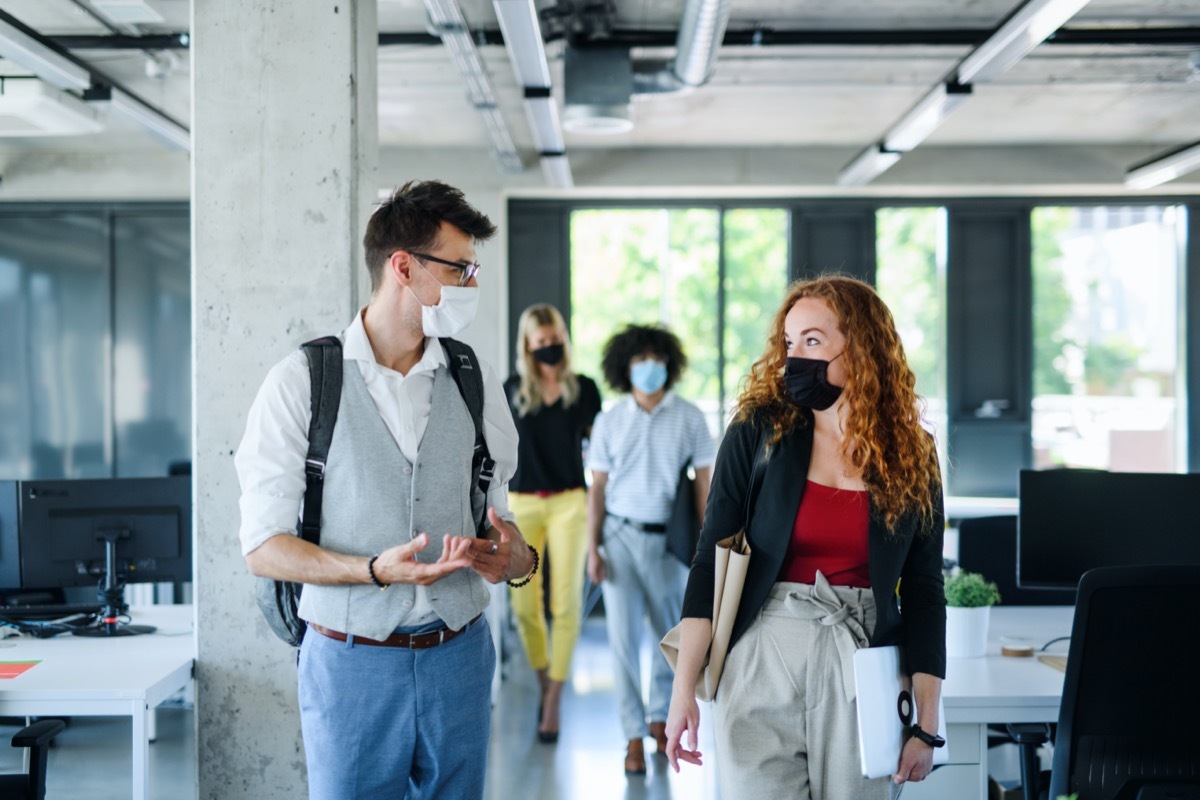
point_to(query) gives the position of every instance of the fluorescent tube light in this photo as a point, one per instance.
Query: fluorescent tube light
(158, 123)
(867, 166)
(19, 47)
(557, 171)
(543, 122)
(29, 107)
(1028, 27)
(924, 118)
(523, 40)
(1164, 168)
(451, 27)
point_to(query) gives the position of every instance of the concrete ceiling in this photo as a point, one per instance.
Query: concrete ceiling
(1130, 77)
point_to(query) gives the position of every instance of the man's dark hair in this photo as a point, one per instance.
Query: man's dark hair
(410, 218)
(637, 340)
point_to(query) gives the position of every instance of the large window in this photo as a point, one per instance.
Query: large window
(1106, 317)
(713, 276)
(910, 255)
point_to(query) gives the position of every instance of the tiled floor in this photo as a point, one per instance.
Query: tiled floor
(91, 758)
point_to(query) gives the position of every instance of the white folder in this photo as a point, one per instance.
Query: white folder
(886, 711)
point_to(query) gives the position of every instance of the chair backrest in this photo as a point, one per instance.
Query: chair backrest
(1130, 713)
(988, 545)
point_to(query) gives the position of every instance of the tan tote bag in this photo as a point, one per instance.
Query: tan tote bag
(731, 561)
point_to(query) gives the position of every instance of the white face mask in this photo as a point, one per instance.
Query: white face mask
(452, 314)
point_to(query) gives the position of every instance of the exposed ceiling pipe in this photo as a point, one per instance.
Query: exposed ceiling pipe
(701, 31)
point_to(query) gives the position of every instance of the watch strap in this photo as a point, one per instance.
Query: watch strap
(931, 739)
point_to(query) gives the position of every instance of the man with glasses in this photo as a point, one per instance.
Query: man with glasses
(397, 663)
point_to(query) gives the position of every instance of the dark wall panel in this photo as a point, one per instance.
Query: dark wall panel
(538, 260)
(833, 241)
(989, 349)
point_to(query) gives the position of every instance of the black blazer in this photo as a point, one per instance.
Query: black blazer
(905, 555)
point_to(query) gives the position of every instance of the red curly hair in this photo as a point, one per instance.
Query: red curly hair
(883, 434)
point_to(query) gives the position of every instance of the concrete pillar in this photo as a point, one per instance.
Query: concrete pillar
(283, 176)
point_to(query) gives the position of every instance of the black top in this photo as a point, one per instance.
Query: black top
(905, 555)
(550, 452)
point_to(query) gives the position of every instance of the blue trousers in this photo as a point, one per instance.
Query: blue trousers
(389, 722)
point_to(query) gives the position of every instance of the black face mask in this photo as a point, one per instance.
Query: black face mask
(807, 382)
(549, 355)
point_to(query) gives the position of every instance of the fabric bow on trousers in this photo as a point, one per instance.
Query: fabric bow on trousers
(784, 716)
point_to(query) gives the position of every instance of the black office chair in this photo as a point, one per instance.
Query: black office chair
(988, 545)
(31, 785)
(1129, 724)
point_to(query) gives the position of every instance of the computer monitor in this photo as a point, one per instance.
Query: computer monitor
(105, 532)
(1073, 520)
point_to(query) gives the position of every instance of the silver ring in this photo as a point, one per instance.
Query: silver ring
(495, 547)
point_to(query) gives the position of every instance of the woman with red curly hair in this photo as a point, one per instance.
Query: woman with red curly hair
(847, 521)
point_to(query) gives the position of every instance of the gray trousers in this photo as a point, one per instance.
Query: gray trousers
(644, 585)
(784, 714)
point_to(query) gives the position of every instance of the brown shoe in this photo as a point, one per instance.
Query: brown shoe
(635, 758)
(659, 731)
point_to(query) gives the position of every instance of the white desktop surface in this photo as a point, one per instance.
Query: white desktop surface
(997, 689)
(121, 676)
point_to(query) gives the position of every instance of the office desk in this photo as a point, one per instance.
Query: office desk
(996, 688)
(124, 676)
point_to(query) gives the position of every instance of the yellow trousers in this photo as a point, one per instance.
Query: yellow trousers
(557, 526)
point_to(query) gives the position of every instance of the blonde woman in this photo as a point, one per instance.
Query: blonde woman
(850, 506)
(553, 408)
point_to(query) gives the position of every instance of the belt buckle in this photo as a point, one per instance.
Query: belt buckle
(442, 635)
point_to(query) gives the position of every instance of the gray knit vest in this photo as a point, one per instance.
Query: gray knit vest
(375, 499)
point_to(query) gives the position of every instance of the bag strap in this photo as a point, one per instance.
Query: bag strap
(325, 371)
(464, 368)
(757, 470)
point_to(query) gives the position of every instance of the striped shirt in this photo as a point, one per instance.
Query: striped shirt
(643, 452)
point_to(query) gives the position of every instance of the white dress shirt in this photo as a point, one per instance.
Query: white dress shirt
(270, 459)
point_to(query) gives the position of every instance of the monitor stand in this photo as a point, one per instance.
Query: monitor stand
(112, 596)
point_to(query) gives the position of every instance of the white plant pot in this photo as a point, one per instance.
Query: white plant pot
(967, 631)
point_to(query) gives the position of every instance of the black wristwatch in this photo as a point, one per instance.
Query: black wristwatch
(931, 739)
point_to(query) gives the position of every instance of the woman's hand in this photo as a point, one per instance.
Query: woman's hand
(916, 761)
(683, 717)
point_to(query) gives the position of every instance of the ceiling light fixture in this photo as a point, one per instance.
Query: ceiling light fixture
(451, 28)
(1166, 167)
(29, 107)
(22, 46)
(153, 120)
(557, 170)
(1028, 27)
(867, 166)
(925, 117)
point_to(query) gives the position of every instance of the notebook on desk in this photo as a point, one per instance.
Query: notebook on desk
(1058, 662)
(886, 709)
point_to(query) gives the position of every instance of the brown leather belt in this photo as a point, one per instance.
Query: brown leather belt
(413, 641)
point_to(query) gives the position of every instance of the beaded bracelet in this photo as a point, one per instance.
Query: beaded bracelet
(375, 578)
(532, 572)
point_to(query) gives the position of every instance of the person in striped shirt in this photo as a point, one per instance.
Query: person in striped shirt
(637, 450)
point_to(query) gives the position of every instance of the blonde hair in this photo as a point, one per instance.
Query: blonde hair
(529, 393)
(883, 435)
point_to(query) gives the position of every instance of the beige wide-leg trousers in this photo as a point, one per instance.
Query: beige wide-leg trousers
(784, 715)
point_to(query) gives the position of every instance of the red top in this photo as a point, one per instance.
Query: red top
(830, 535)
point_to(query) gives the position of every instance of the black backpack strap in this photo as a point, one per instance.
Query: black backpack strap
(325, 370)
(468, 376)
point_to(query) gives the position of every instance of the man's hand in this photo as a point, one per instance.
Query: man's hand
(502, 556)
(596, 571)
(399, 564)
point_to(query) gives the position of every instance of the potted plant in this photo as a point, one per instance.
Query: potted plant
(969, 598)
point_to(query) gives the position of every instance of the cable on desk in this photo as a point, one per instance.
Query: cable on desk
(1056, 639)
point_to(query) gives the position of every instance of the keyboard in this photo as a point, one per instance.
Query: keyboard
(49, 611)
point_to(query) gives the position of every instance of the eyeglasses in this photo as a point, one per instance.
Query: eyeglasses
(466, 271)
